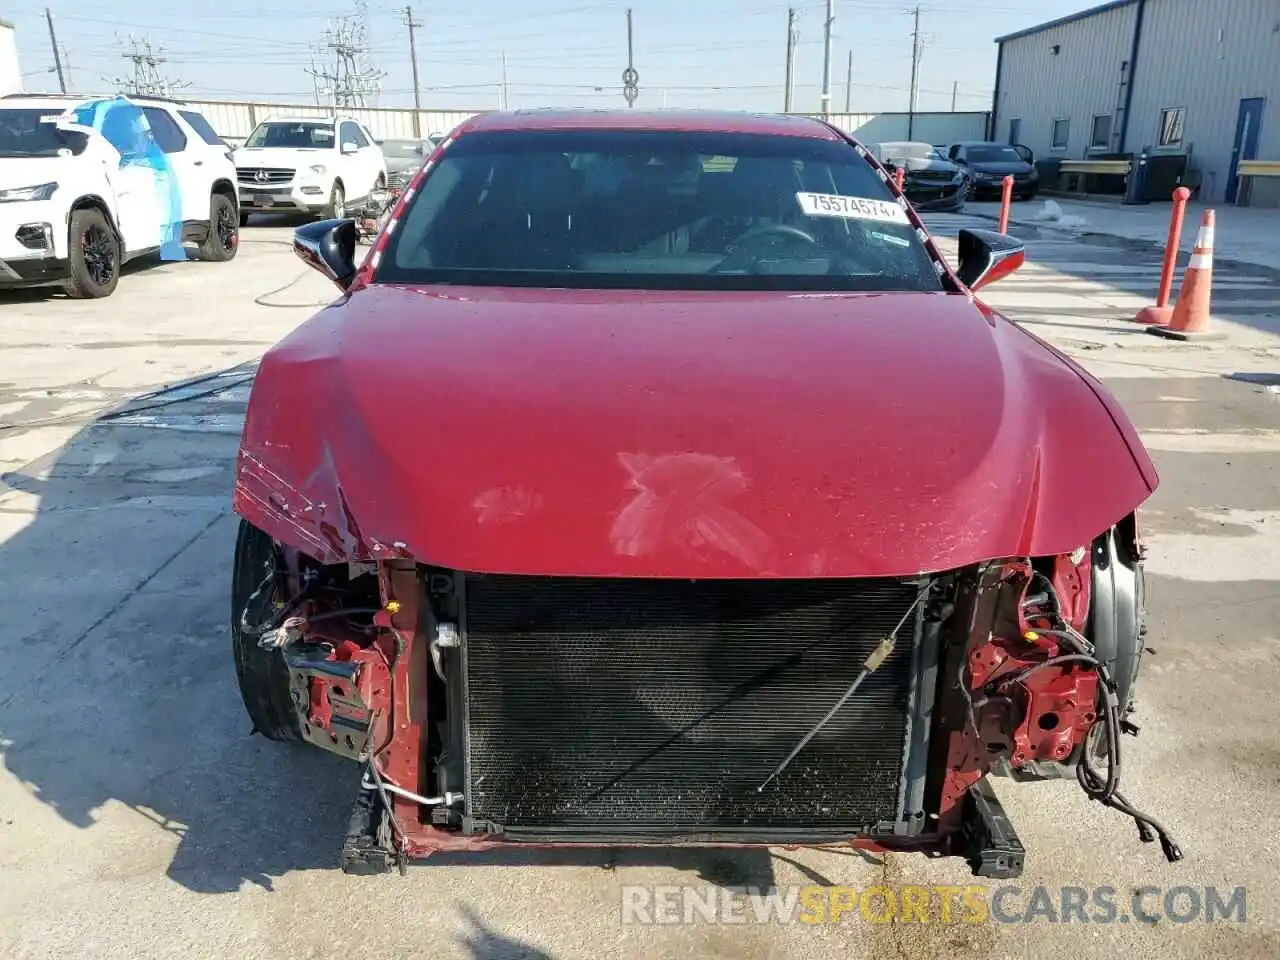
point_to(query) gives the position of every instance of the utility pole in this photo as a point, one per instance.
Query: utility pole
(504, 79)
(57, 57)
(955, 89)
(791, 60)
(630, 76)
(848, 86)
(826, 60)
(413, 62)
(915, 74)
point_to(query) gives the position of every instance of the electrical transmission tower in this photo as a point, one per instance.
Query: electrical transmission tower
(147, 80)
(340, 67)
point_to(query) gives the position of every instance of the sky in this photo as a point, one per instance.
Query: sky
(689, 53)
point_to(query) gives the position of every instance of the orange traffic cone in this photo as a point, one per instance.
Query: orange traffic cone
(1191, 311)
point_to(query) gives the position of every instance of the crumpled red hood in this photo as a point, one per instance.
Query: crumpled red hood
(624, 433)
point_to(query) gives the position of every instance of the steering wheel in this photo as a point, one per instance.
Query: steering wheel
(761, 241)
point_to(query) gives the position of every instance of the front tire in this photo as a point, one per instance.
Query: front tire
(262, 674)
(93, 255)
(223, 239)
(336, 209)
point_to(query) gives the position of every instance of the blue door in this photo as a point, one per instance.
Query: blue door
(1015, 130)
(1245, 146)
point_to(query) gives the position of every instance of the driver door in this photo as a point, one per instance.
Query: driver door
(141, 190)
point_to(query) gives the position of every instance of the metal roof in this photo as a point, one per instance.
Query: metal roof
(1069, 18)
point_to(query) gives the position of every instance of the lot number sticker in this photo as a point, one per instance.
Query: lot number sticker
(854, 208)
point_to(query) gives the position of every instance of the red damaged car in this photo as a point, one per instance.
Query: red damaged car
(654, 480)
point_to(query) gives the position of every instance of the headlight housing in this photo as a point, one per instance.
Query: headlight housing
(318, 168)
(39, 191)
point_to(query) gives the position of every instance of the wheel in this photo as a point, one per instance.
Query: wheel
(262, 674)
(337, 207)
(224, 236)
(93, 255)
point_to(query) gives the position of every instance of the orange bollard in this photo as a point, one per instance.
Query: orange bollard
(1006, 198)
(1162, 313)
(1191, 311)
(901, 176)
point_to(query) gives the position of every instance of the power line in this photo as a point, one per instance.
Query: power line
(349, 80)
(147, 80)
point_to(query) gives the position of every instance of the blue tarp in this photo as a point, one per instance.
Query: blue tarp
(124, 125)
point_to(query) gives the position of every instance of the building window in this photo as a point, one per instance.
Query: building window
(1100, 138)
(1015, 130)
(1171, 122)
(1061, 133)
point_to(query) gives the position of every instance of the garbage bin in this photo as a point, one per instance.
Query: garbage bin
(1135, 187)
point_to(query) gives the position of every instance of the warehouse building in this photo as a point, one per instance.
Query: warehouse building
(1193, 78)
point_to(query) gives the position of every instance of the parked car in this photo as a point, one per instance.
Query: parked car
(320, 166)
(86, 185)
(988, 163)
(929, 181)
(404, 156)
(646, 454)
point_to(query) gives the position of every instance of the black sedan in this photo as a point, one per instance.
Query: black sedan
(987, 164)
(930, 181)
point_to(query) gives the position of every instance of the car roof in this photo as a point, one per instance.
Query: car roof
(694, 121)
(36, 101)
(288, 119)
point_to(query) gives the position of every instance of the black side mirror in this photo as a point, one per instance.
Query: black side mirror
(987, 256)
(330, 247)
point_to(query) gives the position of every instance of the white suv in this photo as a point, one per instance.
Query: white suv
(76, 200)
(321, 166)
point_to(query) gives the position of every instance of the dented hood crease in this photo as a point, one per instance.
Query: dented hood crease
(625, 433)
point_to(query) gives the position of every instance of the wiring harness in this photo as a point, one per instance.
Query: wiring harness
(1102, 786)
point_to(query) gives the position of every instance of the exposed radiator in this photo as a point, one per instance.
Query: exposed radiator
(661, 705)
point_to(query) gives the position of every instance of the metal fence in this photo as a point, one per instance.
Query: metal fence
(235, 119)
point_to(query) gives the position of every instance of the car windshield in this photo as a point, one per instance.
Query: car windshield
(401, 149)
(34, 133)
(992, 153)
(656, 210)
(295, 135)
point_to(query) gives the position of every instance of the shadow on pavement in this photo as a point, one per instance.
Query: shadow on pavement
(486, 944)
(118, 687)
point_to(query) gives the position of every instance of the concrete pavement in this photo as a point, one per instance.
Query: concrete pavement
(138, 819)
